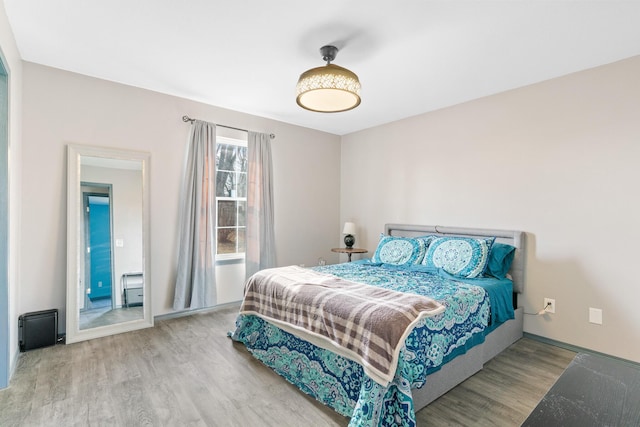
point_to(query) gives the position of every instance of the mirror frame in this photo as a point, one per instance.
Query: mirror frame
(75, 233)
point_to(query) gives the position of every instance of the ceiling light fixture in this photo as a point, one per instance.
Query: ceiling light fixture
(328, 89)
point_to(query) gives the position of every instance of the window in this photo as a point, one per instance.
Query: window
(231, 197)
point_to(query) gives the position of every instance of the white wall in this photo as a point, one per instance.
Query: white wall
(9, 51)
(558, 160)
(62, 107)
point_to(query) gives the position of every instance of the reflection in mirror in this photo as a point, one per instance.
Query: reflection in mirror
(107, 273)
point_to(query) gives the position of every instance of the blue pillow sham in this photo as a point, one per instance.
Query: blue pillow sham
(500, 259)
(400, 250)
(460, 256)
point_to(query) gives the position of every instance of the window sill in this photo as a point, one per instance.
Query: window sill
(229, 261)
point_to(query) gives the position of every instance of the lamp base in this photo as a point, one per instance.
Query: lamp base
(349, 240)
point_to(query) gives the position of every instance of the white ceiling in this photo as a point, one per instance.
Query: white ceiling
(412, 56)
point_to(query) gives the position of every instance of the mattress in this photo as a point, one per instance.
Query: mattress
(474, 307)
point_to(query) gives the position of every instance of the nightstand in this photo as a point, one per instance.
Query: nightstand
(349, 251)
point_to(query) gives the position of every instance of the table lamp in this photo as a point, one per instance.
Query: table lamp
(349, 230)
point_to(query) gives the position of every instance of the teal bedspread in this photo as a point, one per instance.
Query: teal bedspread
(341, 383)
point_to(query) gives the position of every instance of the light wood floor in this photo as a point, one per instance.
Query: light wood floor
(186, 372)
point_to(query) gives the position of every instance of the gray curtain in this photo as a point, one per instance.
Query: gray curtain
(196, 279)
(261, 252)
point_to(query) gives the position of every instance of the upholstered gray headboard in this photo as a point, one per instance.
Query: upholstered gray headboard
(510, 237)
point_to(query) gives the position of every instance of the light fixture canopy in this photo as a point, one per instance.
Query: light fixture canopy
(328, 89)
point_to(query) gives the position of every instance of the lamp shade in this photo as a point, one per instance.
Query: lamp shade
(349, 228)
(328, 89)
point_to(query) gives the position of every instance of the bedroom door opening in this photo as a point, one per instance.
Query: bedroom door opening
(99, 295)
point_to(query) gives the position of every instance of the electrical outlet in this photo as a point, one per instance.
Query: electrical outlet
(549, 305)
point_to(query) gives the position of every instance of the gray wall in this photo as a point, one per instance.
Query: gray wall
(63, 107)
(558, 160)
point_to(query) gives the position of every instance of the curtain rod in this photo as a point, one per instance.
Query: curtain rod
(189, 119)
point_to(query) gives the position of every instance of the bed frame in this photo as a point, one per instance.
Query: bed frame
(465, 365)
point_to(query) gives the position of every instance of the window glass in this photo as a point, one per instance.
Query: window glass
(231, 197)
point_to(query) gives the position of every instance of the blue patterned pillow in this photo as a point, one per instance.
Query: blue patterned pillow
(460, 256)
(400, 250)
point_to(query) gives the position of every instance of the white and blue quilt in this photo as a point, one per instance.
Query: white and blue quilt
(472, 308)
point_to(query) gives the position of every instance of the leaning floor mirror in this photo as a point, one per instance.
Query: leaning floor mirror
(108, 283)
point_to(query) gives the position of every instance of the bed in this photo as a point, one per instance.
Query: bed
(465, 319)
